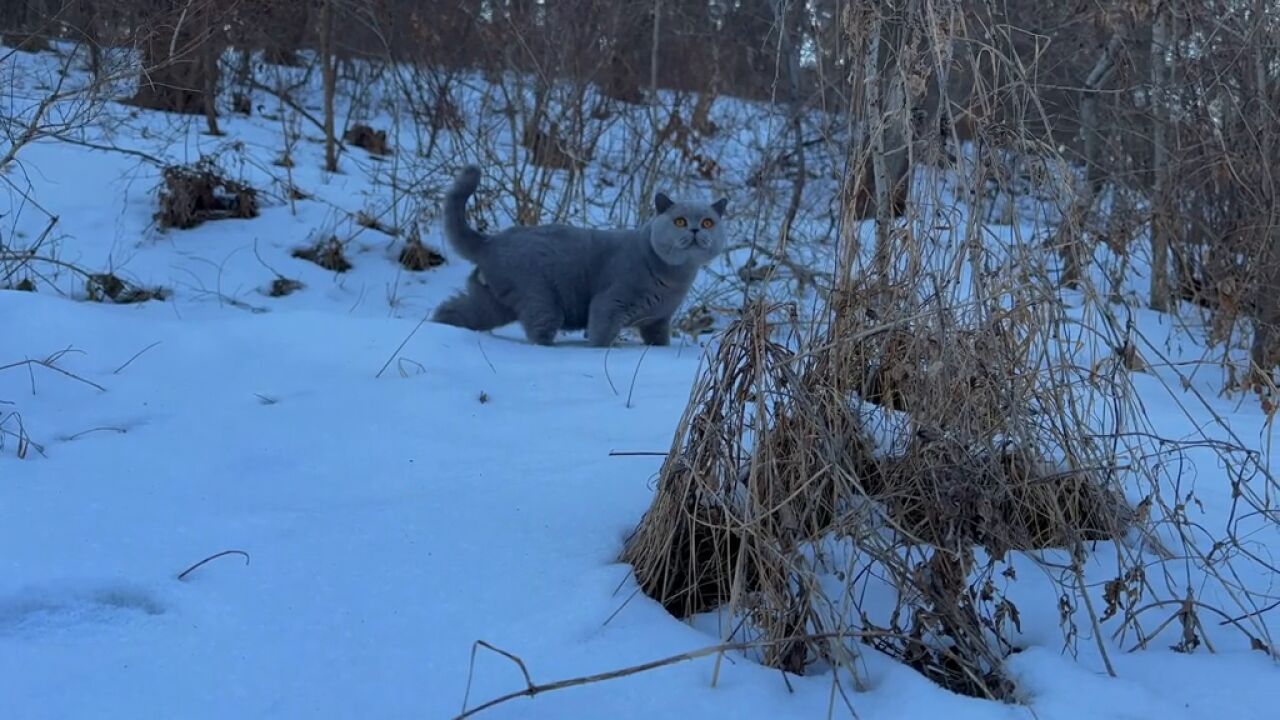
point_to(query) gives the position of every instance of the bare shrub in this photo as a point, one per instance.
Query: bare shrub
(1169, 118)
(367, 219)
(25, 41)
(547, 148)
(864, 476)
(194, 194)
(690, 552)
(363, 136)
(416, 257)
(282, 286)
(109, 287)
(696, 321)
(941, 490)
(327, 252)
(1001, 451)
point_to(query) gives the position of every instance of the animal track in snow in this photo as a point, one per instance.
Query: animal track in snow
(47, 608)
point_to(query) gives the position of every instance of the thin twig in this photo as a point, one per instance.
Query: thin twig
(49, 365)
(1255, 613)
(135, 357)
(531, 689)
(82, 433)
(485, 355)
(632, 389)
(400, 347)
(215, 556)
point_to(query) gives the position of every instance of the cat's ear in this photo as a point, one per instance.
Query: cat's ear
(661, 202)
(720, 205)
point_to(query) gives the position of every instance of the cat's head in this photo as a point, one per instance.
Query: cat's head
(687, 233)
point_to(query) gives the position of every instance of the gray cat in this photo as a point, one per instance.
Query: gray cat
(558, 277)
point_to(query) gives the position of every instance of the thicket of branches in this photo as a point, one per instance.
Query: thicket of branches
(1166, 105)
(875, 478)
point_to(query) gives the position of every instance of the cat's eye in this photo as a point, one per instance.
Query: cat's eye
(681, 222)
(708, 223)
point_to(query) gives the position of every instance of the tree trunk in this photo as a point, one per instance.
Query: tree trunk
(859, 182)
(1265, 349)
(210, 54)
(875, 117)
(655, 54)
(884, 183)
(1264, 352)
(285, 28)
(178, 70)
(23, 26)
(330, 79)
(13, 15)
(93, 35)
(1069, 234)
(941, 33)
(1161, 296)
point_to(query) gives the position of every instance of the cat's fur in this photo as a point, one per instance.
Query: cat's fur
(558, 277)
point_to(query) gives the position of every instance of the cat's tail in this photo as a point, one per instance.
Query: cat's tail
(465, 239)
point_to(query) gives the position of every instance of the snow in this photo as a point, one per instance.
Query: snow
(392, 518)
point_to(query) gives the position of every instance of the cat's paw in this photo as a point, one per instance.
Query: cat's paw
(602, 336)
(540, 336)
(657, 333)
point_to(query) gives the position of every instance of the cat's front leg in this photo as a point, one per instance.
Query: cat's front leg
(604, 322)
(656, 332)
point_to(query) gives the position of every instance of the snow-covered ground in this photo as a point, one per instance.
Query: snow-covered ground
(396, 503)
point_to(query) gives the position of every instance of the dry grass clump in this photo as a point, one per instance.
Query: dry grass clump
(363, 136)
(764, 463)
(977, 468)
(863, 483)
(780, 453)
(329, 253)
(445, 114)
(685, 551)
(696, 321)
(416, 257)
(548, 148)
(282, 286)
(368, 220)
(108, 287)
(193, 194)
(690, 552)
(943, 493)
